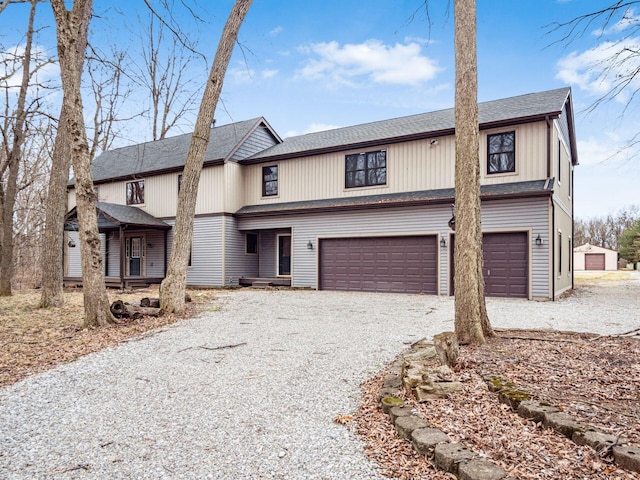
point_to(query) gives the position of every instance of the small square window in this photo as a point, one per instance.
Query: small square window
(270, 181)
(252, 243)
(135, 192)
(501, 153)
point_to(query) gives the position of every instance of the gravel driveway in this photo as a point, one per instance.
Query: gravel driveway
(174, 405)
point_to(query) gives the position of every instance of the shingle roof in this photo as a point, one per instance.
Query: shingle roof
(168, 153)
(521, 107)
(111, 216)
(445, 195)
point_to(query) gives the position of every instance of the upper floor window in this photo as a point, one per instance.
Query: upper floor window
(270, 181)
(559, 161)
(135, 192)
(501, 152)
(179, 182)
(366, 169)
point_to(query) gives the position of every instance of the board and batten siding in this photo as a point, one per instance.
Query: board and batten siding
(530, 215)
(206, 254)
(411, 166)
(238, 263)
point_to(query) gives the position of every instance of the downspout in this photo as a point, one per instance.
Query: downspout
(552, 246)
(552, 236)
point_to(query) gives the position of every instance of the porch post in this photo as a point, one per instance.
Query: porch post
(122, 257)
(166, 234)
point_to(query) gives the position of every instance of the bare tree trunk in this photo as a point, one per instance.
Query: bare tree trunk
(173, 287)
(52, 243)
(471, 319)
(13, 160)
(71, 28)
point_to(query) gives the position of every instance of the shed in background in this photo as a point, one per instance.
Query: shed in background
(592, 257)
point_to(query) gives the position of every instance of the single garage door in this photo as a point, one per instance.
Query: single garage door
(505, 264)
(379, 264)
(594, 261)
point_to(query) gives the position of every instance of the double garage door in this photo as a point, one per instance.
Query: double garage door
(410, 264)
(379, 264)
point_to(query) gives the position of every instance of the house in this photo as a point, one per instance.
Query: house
(592, 257)
(366, 207)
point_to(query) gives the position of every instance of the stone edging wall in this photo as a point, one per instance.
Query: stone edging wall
(467, 465)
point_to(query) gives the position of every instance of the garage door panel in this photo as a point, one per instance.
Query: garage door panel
(380, 264)
(594, 261)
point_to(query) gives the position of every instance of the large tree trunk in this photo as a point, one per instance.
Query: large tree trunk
(53, 238)
(471, 320)
(71, 28)
(13, 160)
(173, 287)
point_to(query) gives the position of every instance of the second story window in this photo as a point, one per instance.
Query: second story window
(366, 169)
(135, 192)
(270, 181)
(501, 153)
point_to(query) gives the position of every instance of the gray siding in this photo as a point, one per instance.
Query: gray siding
(267, 254)
(73, 257)
(73, 254)
(237, 262)
(206, 254)
(258, 141)
(507, 215)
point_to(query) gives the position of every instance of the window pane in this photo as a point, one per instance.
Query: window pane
(352, 163)
(501, 155)
(270, 180)
(358, 179)
(135, 192)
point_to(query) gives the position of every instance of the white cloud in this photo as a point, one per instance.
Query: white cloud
(313, 128)
(241, 75)
(11, 68)
(371, 60)
(628, 20)
(269, 73)
(276, 31)
(600, 69)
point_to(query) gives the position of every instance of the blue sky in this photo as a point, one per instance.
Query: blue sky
(312, 65)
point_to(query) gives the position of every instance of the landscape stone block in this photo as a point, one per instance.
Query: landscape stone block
(480, 470)
(449, 455)
(628, 457)
(595, 439)
(406, 425)
(513, 397)
(403, 411)
(392, 380)
(563, 423)
(425, 440)
(389, 392)
(533, 410)
(389, 402)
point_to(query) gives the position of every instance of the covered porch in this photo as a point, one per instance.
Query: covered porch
(133, 244)
(271, 254)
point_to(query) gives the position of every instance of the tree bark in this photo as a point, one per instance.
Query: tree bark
(13, 159)
(173, 287)
(53, 238)
(471, 320)
(71, 28)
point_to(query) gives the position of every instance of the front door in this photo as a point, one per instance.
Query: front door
(284, 255)
(135, 255)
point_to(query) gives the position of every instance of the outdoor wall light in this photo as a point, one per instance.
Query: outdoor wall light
(443, 242)
(433, 143)
(71, 244)
(149, 245)
(309, 245)
(538, 240)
